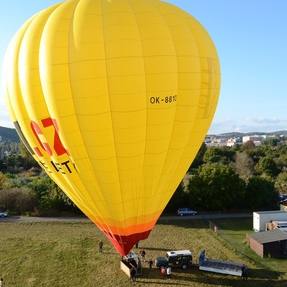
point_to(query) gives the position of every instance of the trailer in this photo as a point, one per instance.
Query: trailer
(261, 219)
(220, 266)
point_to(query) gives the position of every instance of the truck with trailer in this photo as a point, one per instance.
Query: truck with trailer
(183, 259)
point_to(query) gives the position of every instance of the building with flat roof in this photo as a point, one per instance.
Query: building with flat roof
(269, 243)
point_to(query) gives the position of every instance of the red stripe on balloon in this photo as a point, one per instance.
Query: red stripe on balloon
(123, 244)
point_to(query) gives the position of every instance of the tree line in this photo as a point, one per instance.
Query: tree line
(245, 177)
(26, 189)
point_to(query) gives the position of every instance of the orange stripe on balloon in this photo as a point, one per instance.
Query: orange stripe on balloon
(130, 229)
(127, 230)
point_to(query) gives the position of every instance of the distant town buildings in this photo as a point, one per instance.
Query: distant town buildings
(256, 139)
(215, 141)
(230, 141)
(234, 141)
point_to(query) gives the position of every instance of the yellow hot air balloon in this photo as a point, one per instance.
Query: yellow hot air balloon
(113, 98)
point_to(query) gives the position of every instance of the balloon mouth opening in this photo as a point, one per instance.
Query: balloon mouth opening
(124, 243)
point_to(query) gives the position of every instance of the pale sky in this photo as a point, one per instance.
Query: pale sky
(251, 39)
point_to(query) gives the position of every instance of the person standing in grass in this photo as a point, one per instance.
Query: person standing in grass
(244, 273)
(162, 270)
(1, 282)
(101, 245)
(168, 271)
(142, 253)
(133, 274)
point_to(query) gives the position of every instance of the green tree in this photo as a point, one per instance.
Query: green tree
(3, 180)
(261, 194)
(199, 157)
(215, 154)
(49, 195)
(179, 199)
(272, 141)
(267, 165)
(281, 161)
(216, 187)
(27, 159)
(281, 182)
(256, 153)
(17, 200)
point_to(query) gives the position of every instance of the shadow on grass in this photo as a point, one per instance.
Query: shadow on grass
(257, 277)
(166, 281)
(156, 248)
(109, 253)
(264, 274)
(153, 276)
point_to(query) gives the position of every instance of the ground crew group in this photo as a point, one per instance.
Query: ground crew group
(163, 270)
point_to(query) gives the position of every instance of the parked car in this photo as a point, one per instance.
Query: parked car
(3, 214)
(180, 259)
(282, 198)
(186, 211)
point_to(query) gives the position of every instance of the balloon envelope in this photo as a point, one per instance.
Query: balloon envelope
(113, 99)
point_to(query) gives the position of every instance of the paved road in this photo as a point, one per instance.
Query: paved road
(29, 219)
(205, 216)
(208, 216)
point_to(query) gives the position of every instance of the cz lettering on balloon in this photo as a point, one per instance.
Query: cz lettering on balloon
(63, 167)
(58, 149)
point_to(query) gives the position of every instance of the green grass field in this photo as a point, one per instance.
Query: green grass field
(66, 254)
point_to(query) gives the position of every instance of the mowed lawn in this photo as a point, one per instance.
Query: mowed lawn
(66, 254)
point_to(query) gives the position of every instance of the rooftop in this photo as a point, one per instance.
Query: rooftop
(269, 236)
(179, 252)
(270, 212)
